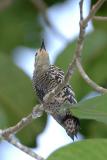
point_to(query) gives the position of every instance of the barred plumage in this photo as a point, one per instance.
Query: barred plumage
(45, 78)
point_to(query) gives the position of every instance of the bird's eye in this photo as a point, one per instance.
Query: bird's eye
(36, 54)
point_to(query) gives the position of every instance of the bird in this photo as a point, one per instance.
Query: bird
(47, 77)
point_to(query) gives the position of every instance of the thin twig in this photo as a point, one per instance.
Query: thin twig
(71, 67)
(100, 18)
(16, 128)
(81, 9)
(78, 51)
(83, 25)
(23, 122)
(7, 134)
(14, 141)
(93, 11)
(91, 83)
(41, 6)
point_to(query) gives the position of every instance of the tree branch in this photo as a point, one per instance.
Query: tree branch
(7, 134)
(93, 11)
(77, 56)
(11, 139)
(80, 42)
(37, 112)
(91, 83)
(78, 51)
(100, 18)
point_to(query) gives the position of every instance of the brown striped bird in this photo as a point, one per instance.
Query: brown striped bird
(45, 78)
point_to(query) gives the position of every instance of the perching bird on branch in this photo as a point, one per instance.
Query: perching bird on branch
(45, 78)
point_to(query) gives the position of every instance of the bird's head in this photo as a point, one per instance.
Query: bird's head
(42, 58)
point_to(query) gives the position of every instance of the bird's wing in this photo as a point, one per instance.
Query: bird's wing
(56, 74)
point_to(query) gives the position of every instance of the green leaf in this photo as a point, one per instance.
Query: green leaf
(3, 118)
(94, 108)
(17, 100)
(82, 150)
(93, 129)
(19, 25)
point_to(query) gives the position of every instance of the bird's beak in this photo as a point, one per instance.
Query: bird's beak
(43, 46)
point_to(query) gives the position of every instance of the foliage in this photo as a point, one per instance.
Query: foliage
(87, 149)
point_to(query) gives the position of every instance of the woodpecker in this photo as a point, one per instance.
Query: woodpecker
(45, 78)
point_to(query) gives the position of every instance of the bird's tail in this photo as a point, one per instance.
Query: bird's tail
(70, 123)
